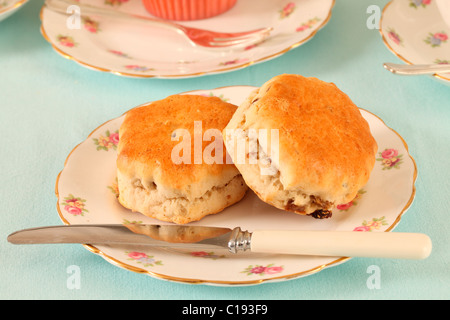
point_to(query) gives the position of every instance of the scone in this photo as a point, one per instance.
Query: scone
(167, 170)
(176, 234)
(318, 150)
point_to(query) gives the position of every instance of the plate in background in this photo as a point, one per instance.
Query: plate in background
(415, 31)
(8, 7)
(138, 50)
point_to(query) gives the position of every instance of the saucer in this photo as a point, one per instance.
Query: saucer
(415, 31)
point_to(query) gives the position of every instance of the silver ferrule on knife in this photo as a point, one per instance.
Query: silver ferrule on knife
(239, 240)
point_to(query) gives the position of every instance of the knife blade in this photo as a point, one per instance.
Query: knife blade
(394, 245)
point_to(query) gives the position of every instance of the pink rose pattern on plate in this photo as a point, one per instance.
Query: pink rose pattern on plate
(108, 141)
(66, 41)
(119, 54)
(261, 270)
(232, 62)
(74, 205)
(436, 39)
(138, 68)
(284, 13)
(221, 97)
(439, 61)
(354, 202)
(390, 159)
(255, 45)
(374, 224)
(90, 25)
(419, 3)
(143, 258)
(287, 10)
(204, 254)
(307, 25)
(394, 36)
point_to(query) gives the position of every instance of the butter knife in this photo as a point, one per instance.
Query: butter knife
(320, 243)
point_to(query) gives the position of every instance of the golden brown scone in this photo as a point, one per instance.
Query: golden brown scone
(150, 178)
(325, 153)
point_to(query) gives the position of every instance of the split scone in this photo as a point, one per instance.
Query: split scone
(171, 165)
(301, 145)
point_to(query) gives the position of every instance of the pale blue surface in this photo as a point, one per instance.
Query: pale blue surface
(50, 104)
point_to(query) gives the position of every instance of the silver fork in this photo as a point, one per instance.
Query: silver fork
(417, 69)
(200, 37)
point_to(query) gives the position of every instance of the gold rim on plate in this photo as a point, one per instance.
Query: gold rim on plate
(15, 6)
(123, 265)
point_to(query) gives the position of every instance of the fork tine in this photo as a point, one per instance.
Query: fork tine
(249, 38)
(236, 42)
(227, 42)
(243, 35)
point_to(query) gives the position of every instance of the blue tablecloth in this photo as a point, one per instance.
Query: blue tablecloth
(49, 104)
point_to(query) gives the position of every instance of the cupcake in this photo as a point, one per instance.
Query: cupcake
(187, 9)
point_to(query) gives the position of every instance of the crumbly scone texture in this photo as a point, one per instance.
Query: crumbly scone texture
(151, 179)
(325, 150)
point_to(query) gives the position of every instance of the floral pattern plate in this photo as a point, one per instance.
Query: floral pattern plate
(8, 7)
(86, 190)
(415, 31)
(139, 50)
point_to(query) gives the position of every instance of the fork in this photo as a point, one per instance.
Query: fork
(200, 37)
(411, 69)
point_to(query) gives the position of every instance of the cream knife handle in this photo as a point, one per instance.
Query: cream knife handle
(343, 243)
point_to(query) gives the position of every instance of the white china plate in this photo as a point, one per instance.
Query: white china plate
(138, 50)
(86, 191)
(415, 31)
(8, 7)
